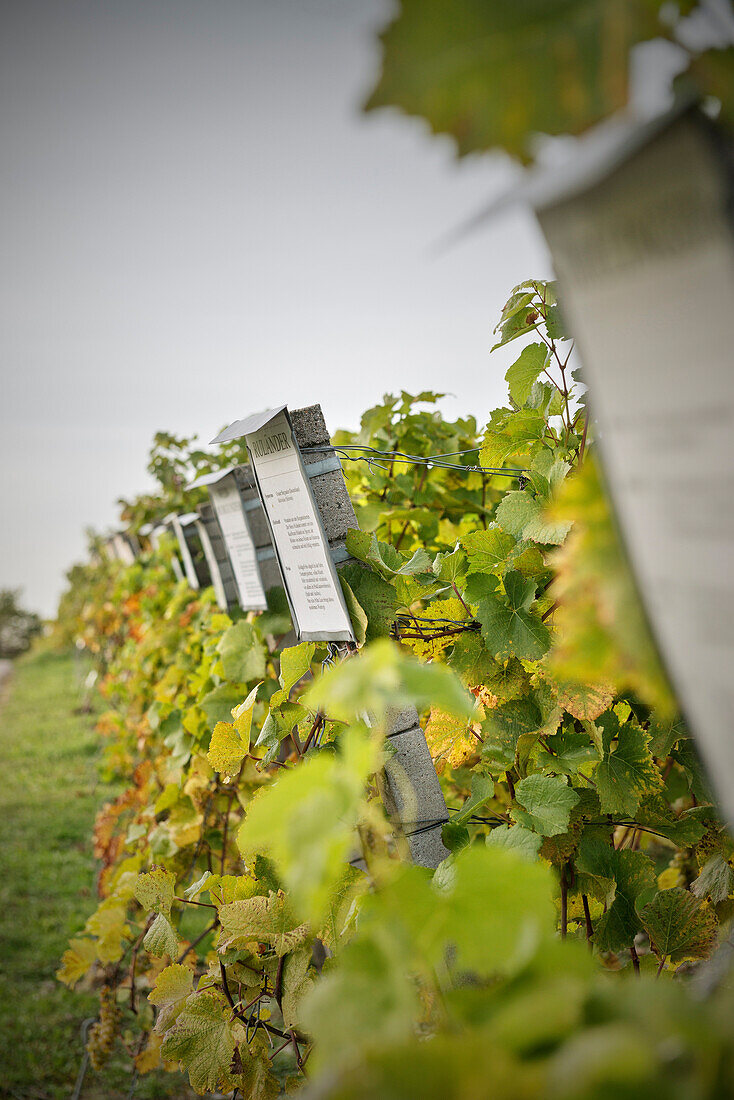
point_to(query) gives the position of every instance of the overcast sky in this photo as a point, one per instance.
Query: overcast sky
(198, 222)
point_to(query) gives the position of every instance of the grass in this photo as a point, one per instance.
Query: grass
(49, 795)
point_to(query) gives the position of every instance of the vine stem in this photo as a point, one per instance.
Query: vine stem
(587, 919)
(635, 959)
(660, 968)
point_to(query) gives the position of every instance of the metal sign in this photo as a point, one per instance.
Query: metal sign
(299, 539)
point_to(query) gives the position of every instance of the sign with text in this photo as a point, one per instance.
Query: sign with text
(214, 570)
(178, 523)
(314, 593)
(227, 503)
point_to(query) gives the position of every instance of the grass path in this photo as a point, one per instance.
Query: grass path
(49, 794)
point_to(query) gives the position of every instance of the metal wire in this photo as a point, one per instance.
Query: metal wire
(372, 453)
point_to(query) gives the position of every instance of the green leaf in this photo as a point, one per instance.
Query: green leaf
(172, 986)
(384, 678)
(517, 436)
(295, 662)
(305, 821)
(626, 772)
(268, 920)
(678, 925)
(450, 567)
(525, 370)
(570, 751)
(631, 874)
(487, 550)
(716, 880)
(161, 938)
(508, 628)
(523, 841)
(491, 74)
(482, 789)
(385, 558)
(219, 703)
(357, 614)
(523, 516)
(242, 653)
(547, 803)
(201, 1040)
(376, 596)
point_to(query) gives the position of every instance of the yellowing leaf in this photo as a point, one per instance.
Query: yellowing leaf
(201, 1040)
(262, 920)
(450, 739)
(76, 961)
(585, 701)
(150, 1056)
(109, 925)
(154, 890)
(161, 938)
(172, 986)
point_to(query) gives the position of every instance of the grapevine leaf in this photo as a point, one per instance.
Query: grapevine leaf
(305, 821)
(626, 772)
(383, 557)
(482, 789)
(295, 662)
(109, 925)
(654, 812)
(523, 516)
(191, 892)
(678, 925)
(450, 739)
(342, 905)
(172, 986)
(154, 890)
(161, 938)
(515, 437)
(716, 880)
(487, 550)
(226, 750)
(523, 841)
(525, 370)
(219, 703)
(632, 874)
(491, 75)
(585, 701)
(297, 980)
(357, 614)
(253, 1075)
(242, 653)
(570, 751)
(263, 920)
(508, 628)
(449, 568)
(76, 961)
(384, 678)
(376, 595)
(547, 803)
(201, 1040)
(665, 733)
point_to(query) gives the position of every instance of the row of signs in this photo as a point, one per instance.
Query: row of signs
(225, 548)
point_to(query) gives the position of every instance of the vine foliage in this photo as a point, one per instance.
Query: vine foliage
(235, 934)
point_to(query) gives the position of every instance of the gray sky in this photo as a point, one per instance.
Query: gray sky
(198, 222)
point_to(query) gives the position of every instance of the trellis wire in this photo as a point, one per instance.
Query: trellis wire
(373, 453)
